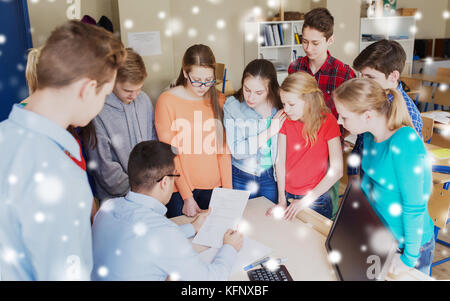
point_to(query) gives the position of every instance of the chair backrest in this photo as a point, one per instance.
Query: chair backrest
(442, 97)
(427, 130)
(412, 83)
(426, 93)
(441, 71)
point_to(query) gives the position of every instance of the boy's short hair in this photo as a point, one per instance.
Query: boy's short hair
(384, 56)
(133, 70)
(76, 50)
(321, 20)
(149, 162)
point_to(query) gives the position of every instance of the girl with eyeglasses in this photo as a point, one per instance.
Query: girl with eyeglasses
(253, 117)
(190, 118)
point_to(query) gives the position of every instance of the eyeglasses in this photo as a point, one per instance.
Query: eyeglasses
(198, 84)
(167, 176)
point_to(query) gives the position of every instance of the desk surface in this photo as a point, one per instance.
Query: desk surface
(429, 78)
(302, 241)
(299, 242)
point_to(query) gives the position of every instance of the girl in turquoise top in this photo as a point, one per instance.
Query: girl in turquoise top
(397, 174)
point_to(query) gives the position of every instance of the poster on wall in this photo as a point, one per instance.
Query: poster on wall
(145, 43)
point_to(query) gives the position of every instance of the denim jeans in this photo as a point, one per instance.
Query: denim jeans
(322, 205)
(175, 205)
(426, 256)
(266, 185)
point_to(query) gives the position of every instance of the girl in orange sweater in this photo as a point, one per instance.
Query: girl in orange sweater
(190, 118)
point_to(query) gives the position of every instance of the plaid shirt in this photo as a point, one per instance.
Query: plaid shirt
(329, 77)
(416, 121)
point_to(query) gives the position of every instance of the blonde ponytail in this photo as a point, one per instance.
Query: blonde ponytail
(397, 115)
(360, 95)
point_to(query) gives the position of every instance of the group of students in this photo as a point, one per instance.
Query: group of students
(281, 142)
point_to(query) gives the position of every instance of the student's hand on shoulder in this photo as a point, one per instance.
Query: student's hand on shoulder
(199, 220)
(277, 122)
(233, 238)
(190, 207)
(397, 266)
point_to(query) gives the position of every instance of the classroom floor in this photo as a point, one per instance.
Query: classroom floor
(441, 272)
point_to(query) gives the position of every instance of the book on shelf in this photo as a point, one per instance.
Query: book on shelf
(268, 32)
(276, 35)
(280, 29)
(297, 36)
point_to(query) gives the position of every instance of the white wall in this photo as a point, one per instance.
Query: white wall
(227, 43)
(432, 25)
(45, 16)
(346, 29)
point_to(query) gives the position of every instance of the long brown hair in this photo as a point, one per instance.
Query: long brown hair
(265, 70)
(360, 95)
(201, 56)
(306, 87)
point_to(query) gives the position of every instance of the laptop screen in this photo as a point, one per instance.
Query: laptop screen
(359, 245)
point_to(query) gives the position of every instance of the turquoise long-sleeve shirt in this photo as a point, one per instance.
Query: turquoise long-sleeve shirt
(397, 182)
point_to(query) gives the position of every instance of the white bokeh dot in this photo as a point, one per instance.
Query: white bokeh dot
(140, 229)
(395, 209)
(39, 217)
(103, 271)
(335, 257)
(2, 39)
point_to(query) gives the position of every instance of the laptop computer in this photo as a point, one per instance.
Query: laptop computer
(359, 245)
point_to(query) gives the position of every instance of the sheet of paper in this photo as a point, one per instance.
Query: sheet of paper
(145, 43)
(442, 153)
(227, 207)
(351, 138)
(441, 116)
(250, 252)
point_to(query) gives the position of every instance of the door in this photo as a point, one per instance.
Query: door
(15, 40)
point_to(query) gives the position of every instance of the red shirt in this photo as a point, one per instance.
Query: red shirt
(306, 166)
(329, 77)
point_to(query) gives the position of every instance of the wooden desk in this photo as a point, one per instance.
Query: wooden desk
(302, 241)
(438, 178)
(429, 78)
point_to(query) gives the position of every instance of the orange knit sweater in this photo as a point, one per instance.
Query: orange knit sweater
(189, 126)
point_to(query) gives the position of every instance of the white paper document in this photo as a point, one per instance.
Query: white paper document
(227, 207)
(438, 116)
(145, 43)
(250, 252)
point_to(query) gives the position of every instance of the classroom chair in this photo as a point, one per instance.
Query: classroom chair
(438, 207)
(426, 95)
(427, 130)
(413, 86)
(441, 71)
(442, 98)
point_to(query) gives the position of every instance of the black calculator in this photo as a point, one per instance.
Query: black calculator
(263, 274)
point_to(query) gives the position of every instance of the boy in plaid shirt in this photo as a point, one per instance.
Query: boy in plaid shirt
(384, 62)
(329, 72)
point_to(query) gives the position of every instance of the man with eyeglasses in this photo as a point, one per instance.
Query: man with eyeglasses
(134, 241)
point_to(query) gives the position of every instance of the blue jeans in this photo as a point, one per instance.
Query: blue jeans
(266, 185)
(322, 205)
(426, 256)
(175, 205)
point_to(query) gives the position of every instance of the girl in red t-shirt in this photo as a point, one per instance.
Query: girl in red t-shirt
(309, 149)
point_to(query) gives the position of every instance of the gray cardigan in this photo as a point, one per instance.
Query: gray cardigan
(119, 127)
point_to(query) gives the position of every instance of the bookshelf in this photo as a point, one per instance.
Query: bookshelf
(400, 29)
(259, 44)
